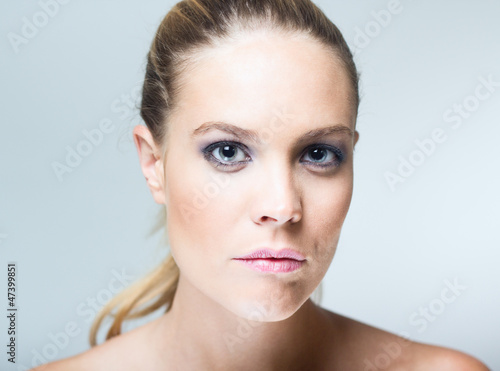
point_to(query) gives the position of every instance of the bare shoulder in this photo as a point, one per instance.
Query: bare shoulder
(92, 359)
(433, 357)
(108, 356)
(76, 363)
(369, 348)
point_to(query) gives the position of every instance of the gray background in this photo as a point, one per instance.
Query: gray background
(398, 248)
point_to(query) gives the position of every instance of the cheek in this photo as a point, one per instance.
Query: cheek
(327, 208)
(329, 203)
(199, 213)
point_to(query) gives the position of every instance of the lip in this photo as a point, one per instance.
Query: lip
(268, 260)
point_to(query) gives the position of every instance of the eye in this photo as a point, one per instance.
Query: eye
(227, 154)
(323, 156)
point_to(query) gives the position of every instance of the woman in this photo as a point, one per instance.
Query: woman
(250, 109)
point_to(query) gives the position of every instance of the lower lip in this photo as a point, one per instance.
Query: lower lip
(272, 265)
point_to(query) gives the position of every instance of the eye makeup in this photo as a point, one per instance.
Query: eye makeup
(330, 157)
(220, 147)
(336, 154)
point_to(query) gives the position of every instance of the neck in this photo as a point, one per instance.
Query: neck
(199, 333)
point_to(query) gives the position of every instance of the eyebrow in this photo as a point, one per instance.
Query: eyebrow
(253, 136)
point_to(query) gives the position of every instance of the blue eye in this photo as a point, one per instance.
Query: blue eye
(226, 154)
(231, 155)
(324, 156)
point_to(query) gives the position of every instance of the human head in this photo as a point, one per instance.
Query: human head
(192, 26)
(189, 29)
(186, 54)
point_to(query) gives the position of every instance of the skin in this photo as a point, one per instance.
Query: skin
(275, 200)
(226, 316)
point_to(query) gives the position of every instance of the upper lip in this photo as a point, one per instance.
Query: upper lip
(266, 253)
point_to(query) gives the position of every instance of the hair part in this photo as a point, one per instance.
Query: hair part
(190, 28)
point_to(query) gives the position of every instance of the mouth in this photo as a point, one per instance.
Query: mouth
(267, 260)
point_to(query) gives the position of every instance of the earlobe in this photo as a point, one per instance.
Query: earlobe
(356, 138)
(150, 161)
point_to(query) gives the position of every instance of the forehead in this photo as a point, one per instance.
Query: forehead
(246, 80)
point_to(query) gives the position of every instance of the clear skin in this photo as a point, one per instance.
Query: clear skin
(226, 316)
(277, 199)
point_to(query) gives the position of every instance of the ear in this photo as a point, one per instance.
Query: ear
(150, 161)
(356, 138)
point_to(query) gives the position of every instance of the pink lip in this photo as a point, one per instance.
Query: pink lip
(267, 260)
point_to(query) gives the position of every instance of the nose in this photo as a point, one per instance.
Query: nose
(277, 198)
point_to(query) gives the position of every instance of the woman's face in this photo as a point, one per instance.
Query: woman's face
(259, 155)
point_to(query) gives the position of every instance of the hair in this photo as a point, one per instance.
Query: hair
(189, 28)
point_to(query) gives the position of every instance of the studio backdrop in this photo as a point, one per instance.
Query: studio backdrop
(419, 250)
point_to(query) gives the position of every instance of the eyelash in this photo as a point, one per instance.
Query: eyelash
(207, 152)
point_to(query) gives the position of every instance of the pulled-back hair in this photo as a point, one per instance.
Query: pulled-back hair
(188, 29)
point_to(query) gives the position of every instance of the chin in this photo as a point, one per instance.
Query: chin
(269, 309)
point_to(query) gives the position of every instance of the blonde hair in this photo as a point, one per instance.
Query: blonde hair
(190, 27)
